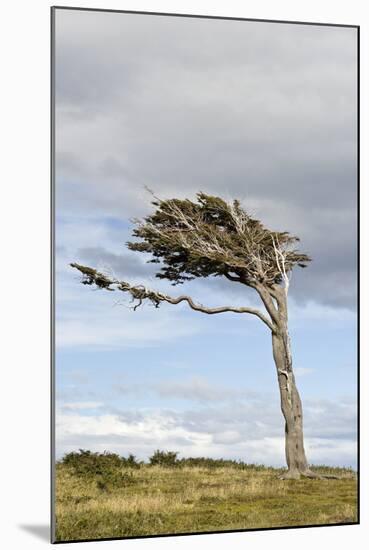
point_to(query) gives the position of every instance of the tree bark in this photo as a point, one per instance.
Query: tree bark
(291, 407)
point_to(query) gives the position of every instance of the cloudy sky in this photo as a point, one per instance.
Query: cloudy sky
(262, 112)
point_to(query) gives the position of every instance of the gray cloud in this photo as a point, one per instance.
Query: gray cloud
(262, 112)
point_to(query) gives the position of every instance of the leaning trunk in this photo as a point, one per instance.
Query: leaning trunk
(291, 407)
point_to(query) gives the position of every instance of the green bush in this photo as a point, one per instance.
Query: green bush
(205, 462)
(88, 463)
(106, 469)
(164, 458)
(170, 459)
(131, 461)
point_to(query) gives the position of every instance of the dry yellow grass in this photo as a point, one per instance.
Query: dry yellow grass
(156, 500)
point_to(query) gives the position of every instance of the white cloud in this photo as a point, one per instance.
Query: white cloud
(313, 311)
(303, 371)
(91, 318)
(115, 333)
(251, 431)
(81, 405)
(332, 451)
(141, 437)
(198, 388)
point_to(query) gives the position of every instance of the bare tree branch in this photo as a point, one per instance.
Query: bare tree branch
(280, 256)
(139, 293)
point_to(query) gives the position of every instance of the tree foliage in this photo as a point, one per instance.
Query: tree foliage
(214, 237)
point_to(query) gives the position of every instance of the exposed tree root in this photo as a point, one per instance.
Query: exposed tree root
(314, 475)
(296, 474)
(290, 474)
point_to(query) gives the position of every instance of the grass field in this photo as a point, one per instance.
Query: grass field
(109, 498)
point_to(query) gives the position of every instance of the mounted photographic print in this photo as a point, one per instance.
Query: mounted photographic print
(205, 230)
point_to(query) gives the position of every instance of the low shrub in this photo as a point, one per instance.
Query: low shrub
(131, 461)
(107, 469)
(205, 462)
(170, 459)
(164, 458)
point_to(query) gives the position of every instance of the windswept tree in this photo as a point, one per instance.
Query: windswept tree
(212, 237)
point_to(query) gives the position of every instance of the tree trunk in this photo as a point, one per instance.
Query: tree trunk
(291, 408)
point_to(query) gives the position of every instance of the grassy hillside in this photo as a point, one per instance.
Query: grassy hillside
(102, 496)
